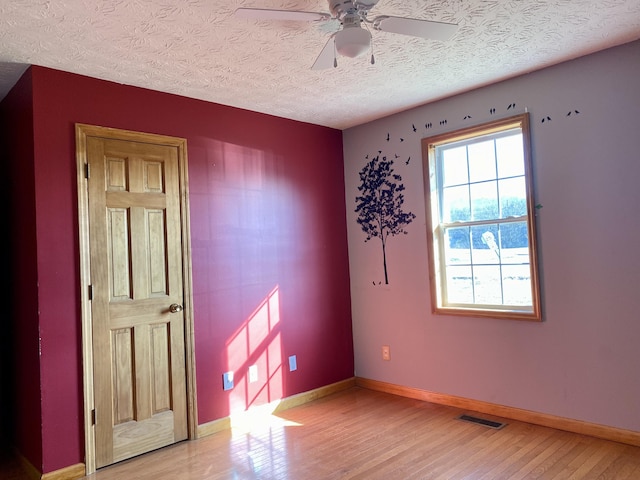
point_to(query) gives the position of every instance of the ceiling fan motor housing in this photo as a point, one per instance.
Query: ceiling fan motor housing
(340, 8)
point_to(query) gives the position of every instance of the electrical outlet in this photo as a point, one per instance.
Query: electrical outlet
(227, 380)
(293, 363)
(386, 353)
(253, 373)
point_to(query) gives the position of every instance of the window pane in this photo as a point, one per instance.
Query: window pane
(459, 285)
(482, 161)
(514, 243)
(484, 246)
(484, 201)
(516, 283)
(510, 156)
(513, 197)
(455, 204)
(487, 285)
(457, 246)
(454, 166)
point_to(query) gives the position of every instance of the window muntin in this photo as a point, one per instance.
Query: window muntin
(481, 230)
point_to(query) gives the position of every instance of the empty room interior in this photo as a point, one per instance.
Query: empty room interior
(332, 239)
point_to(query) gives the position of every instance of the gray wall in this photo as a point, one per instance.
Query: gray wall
(583, 361)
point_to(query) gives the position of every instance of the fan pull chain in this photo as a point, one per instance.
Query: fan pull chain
(373, 59)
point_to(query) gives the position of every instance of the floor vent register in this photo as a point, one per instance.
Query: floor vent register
(482, 421)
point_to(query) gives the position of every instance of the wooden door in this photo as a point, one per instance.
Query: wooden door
(137, 296)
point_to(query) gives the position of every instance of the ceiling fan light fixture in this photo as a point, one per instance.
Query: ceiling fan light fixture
(353, 42)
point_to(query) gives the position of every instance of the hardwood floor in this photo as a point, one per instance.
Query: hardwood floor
(362, 434)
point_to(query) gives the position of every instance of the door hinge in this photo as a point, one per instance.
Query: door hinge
(90, 292)
(93, 416)
(86, 170)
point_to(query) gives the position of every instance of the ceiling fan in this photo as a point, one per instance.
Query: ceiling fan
(352, 40)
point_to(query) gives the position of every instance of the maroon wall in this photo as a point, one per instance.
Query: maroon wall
(270, 266)
(20, 325)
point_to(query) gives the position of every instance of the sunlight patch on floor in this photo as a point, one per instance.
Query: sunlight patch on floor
(259, 418)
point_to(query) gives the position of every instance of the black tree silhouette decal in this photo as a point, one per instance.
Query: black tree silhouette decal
(379, 205)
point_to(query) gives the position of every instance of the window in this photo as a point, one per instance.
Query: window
(480, 221)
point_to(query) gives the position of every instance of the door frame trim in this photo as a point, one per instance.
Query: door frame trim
(83, 131)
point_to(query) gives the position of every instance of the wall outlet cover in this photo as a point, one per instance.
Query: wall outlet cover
(386, 352)
(227, 380)
(293, 363)
(253, 373)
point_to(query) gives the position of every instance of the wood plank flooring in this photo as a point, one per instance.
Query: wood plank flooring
(362, 434)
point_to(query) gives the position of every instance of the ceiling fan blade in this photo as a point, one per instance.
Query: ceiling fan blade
(416, 28)
(266, 14)
(327, 57)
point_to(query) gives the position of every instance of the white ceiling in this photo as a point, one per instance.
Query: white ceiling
(199, 49)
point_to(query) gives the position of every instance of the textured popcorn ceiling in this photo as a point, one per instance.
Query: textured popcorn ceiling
(197, 48)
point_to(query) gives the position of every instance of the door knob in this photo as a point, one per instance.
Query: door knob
(175, 308)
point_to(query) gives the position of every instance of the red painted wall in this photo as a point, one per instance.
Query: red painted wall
(21, 311)
(270, 266)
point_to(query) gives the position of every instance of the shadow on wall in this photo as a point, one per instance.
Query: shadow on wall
(7, 354)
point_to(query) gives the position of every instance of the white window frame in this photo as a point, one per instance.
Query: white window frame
(436, 226)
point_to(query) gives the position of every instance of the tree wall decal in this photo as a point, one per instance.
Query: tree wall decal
(379, 205)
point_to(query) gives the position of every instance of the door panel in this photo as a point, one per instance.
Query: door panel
(140, 392)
